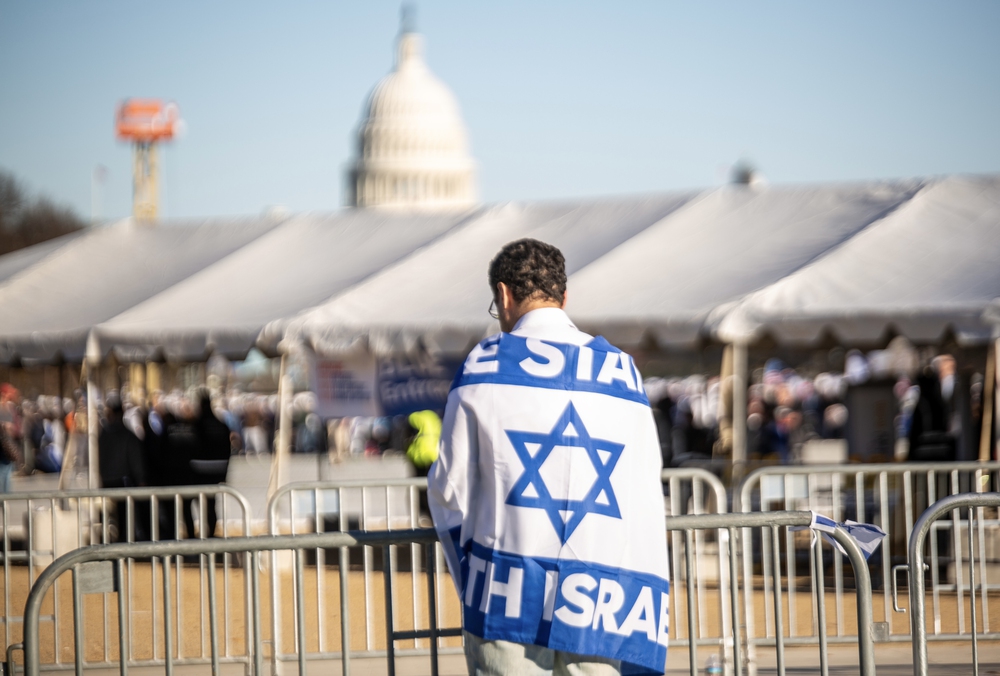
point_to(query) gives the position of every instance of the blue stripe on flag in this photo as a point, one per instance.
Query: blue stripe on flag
(597, 367)
(574, 606)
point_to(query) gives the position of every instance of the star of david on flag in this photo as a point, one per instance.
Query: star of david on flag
(534, 448)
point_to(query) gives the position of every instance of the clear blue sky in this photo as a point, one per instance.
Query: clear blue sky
(561, 99)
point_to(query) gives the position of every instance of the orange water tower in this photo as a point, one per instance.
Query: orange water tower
(145, 123)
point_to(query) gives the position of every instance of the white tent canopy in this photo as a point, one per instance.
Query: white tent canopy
(657, 264)
(296, 265)
(15, 262)
(929, 267)
(718, 248)
(797, 261)
(49, 307)
(440, 295)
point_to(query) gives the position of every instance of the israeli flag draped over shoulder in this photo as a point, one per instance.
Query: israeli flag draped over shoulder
(547, 496)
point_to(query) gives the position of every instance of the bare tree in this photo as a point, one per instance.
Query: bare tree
(25, 221)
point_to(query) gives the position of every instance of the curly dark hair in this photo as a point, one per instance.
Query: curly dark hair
(530, 269)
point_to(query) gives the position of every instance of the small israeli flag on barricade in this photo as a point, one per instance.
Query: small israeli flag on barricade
(868, 536)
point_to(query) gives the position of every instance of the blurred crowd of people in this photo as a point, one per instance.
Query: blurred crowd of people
(786, 409)
(186, 438)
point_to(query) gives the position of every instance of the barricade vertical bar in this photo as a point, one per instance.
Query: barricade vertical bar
(154, 534)
(390, 647)
(972, 595)
(675, 509)
(689, 582)
(251, 600)
(746, 547)
(178, 566)
(432, 608)
(367, 566)
(56, 624)
(883, 479)
(131, 576)
(345, 572)
(104, 597)
(935, 574)
(984, 580)
(918, 629)
(276, 619)
(956, 546)
(253, 561)
(6, 570)
(838, 561)
(816, 617)
(300, 611)
(699, 539)
(779, 629)
(824, 668)
(789, 566)
(724, 545)
(226, 632)
(908, 502)
(320, 574)
(767, 570)
(414, 558)
(123, 620)
(734, 597)
(168, 621)
(202, 528)
(77, 622)
(345, 626)
(213, 615)
(441, 573)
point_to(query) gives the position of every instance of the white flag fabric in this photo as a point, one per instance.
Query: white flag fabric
(868, 536)
(547, 496)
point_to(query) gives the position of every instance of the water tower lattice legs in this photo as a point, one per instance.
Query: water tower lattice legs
(145, 189)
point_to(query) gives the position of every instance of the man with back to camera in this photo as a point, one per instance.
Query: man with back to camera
(546, 494)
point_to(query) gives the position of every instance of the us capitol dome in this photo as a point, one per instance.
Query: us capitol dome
(412, 147)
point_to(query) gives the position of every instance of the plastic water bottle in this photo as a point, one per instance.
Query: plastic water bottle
(713, 667)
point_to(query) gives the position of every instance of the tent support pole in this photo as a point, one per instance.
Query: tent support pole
(995, 451)
(739, 410)
(283, 441)
(93, 424)
(989, 387)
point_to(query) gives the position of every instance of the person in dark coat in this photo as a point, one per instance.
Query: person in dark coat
(930, 440)
(121, 464)
(209, 463)
(180, 446)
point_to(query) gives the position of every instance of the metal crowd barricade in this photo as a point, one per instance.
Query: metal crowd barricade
(890, 495)
(39, 526)
(103, 570)
(694, 490)
(772, 522)
(342, 506)
(320, 506)
(966, 512)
